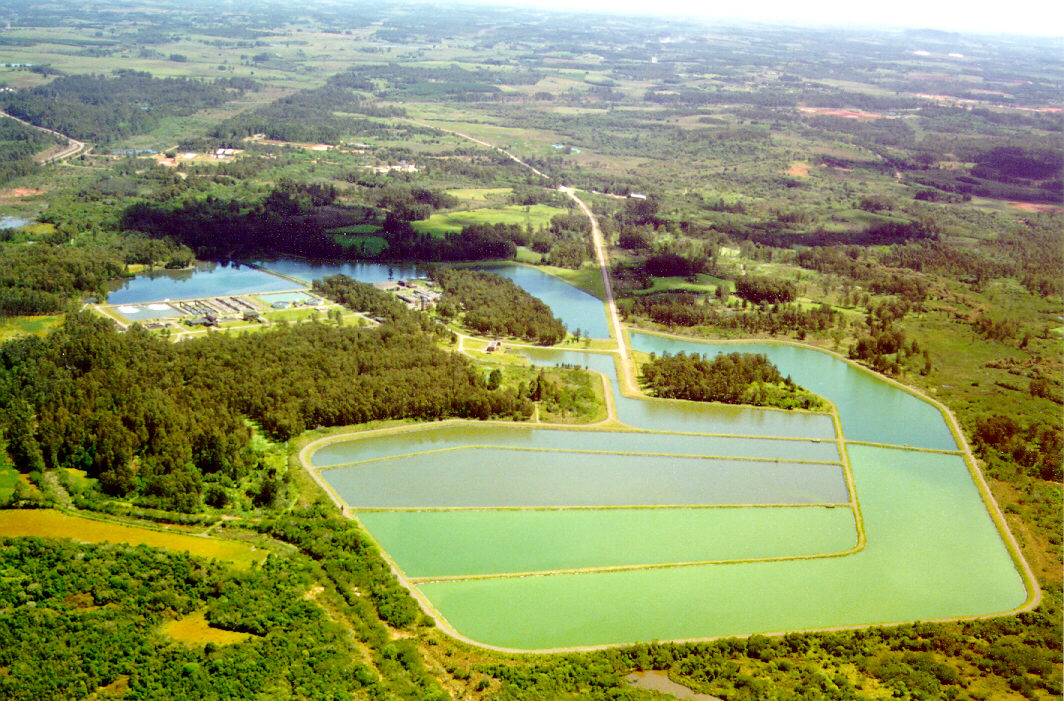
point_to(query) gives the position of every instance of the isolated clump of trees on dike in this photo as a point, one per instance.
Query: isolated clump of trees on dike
(732, 378)
(495, 306)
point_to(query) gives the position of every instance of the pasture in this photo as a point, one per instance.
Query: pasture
(46, 523)
(536, 216)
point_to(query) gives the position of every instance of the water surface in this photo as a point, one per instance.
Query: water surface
(576, 308)
(204, 280)
(674, 415)
(10, 222)
(932, 552)
(493, 477)
(467, 434)
(450, 543)
(870, 409)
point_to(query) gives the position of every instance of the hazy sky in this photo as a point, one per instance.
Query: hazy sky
(1041, 17)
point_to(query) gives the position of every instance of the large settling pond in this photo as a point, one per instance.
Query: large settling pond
(695, 521)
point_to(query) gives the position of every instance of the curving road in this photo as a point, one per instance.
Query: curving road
(73, 147)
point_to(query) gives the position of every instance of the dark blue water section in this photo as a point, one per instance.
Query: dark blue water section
(205, 280)
(870, 409)
(310, 271)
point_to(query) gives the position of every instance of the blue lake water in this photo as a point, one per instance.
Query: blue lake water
(577, 309)
(205, 280)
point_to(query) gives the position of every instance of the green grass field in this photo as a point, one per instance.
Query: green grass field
(15, 326)
(703, 284)
(194, 629)
(356, 229)
(485, 194)
(365, 242)
(537, 215)
(8, 478)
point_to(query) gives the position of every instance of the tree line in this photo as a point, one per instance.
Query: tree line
(18, 145)
(689, 310)
(494, 306)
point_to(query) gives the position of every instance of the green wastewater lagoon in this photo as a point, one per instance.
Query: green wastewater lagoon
(932, 552)
(502, 478)
(479, 542)
(530, 538)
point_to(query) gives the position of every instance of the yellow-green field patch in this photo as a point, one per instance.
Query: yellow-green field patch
(480, 193)
(195, 630)
(8, 477)
(536, 215)
(46, 523)
(14, 326)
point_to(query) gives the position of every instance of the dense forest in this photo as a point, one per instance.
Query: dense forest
(732, 378)
(291, 218)
(150, 418)
(18, 145)
(491, 305)
(102, 108)
(91, 615)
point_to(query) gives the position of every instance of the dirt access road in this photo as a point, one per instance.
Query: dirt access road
(627, 367)
(73, 147)
(628, 370)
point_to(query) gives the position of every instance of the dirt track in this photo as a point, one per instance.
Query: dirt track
(73, 147)
(628, 369)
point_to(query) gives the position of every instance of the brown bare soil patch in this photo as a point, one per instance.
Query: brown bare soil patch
(798, 169)
(297, 144)
(845, 114)
(18, 192)
(1032, 207)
